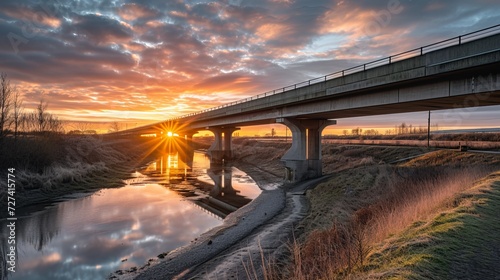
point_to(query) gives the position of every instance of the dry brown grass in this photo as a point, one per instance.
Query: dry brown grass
(366, 204)
(414, 195)
(264, 155)
(481, 145)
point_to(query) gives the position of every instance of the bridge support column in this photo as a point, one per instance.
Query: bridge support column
(303, 160)
(187, 147)
(221, 149)
(223, 183)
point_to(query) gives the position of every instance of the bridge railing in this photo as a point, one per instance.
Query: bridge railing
(372, 64)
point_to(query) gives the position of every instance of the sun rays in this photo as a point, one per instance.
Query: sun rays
(171, 137)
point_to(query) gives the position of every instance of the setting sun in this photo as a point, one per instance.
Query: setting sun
(163, 134)
(129, 66)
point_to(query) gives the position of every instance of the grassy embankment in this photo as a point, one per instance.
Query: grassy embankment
(460, 241)
(360, 223)
(262, 155)
(433, 216)
(48, 168)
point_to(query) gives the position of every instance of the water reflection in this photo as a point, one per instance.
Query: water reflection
(165, 206)
(214, 187)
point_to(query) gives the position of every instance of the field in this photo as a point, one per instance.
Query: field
(386, 212)
(395, 213)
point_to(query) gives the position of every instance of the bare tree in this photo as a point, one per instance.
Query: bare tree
(82, 127)
(17, 103)
(42, 121)
(356, 131)
(28, 122)
(114, 127)
(54, 124)
(41, 116)
(5, 103)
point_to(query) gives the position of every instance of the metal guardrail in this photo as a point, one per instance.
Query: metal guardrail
(379, 62)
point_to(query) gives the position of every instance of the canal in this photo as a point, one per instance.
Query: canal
(165, 205)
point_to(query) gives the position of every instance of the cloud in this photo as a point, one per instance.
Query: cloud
(36, 16)
(99, 29)
(131, 12)
(166, 50)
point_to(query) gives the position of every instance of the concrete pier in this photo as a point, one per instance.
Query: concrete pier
(221, 149)
(303, 160)
(456, 75)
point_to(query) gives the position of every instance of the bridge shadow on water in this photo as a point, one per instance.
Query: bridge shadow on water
(217, 188)
(49, 244)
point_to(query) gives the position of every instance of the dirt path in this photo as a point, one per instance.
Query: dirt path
(264, 225)
(267, 243)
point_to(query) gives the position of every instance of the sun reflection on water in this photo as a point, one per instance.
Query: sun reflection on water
(94, 241)
(119, 228)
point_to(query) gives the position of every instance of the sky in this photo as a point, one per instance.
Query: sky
(146, 61)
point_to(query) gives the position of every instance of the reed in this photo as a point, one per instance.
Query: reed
(410, 195)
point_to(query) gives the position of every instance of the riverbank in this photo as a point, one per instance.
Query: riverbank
(254, 241)
(85, 164)
(460, 241)
(373, 219)
(208, 249)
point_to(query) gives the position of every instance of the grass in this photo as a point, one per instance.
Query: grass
(415, 197)
(461, 242)
(264, 155)
(77, 164)
(481, 145)
(379, 221)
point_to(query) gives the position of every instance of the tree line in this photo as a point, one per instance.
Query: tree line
(17, 120)
(401, 129)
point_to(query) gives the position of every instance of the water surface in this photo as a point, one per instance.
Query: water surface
(89, 237)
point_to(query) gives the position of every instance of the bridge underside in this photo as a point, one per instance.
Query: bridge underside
(461, 77)
(303, 160)
(464, 103)
(306, 121)
(460, 104)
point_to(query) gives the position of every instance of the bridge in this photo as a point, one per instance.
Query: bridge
(460, 72)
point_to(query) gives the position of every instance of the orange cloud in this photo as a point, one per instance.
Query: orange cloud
(158, 59)
(134, 11)
(38, 17)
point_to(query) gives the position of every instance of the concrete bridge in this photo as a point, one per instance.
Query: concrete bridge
(457, 73)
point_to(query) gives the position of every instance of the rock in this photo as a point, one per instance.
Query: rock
(162, 255)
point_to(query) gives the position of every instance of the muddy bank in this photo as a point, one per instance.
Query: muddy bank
(266, 246)
(264, 227)
(236, 226)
